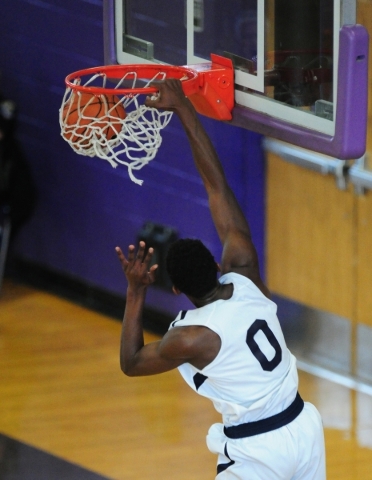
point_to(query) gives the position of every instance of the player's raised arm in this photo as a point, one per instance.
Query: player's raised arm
(175, 348)
(239, 253)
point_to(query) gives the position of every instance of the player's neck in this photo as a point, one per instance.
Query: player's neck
(220, 292)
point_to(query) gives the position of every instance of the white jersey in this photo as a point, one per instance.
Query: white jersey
(254, 375)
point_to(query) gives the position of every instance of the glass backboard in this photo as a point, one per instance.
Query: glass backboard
(300, 66)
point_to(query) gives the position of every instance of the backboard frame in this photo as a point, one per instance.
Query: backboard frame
(344, 137)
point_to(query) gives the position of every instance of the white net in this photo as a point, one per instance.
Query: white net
(115, 128)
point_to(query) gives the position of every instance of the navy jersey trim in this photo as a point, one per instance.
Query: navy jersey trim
(267, 424)
(199, 379)
(183, 315)
(221, 467)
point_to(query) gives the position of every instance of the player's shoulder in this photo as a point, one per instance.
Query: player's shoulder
(238, 280)
(186, 342)
(195, 317)
(242, 282)
(245, 287)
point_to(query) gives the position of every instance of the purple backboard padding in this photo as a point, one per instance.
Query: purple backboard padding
(349, 140)
(352, 112)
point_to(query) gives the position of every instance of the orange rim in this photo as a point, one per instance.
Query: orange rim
(188, 76)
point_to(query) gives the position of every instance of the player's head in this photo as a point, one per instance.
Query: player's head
(191, 267)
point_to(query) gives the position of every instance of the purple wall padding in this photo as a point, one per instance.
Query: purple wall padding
(85, 206)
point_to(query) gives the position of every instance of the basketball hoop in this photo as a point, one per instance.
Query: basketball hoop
(101, 113)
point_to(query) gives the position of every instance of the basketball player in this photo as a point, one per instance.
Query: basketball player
(230, 348)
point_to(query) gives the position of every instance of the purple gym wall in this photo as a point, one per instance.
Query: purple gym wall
(85, 206)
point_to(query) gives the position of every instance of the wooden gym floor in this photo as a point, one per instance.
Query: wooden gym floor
(62, 393)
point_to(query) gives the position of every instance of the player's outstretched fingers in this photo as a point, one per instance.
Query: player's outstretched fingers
(121, 256)
(149, 254)
(152, 272)
(141, 251)
(131, 253)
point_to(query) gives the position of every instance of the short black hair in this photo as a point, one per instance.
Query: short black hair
(191, 267)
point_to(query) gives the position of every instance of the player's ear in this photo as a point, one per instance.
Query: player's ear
(176, 291)
(218, 267)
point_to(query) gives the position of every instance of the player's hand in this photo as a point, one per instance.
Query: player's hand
(136, 266)
(170, 95)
